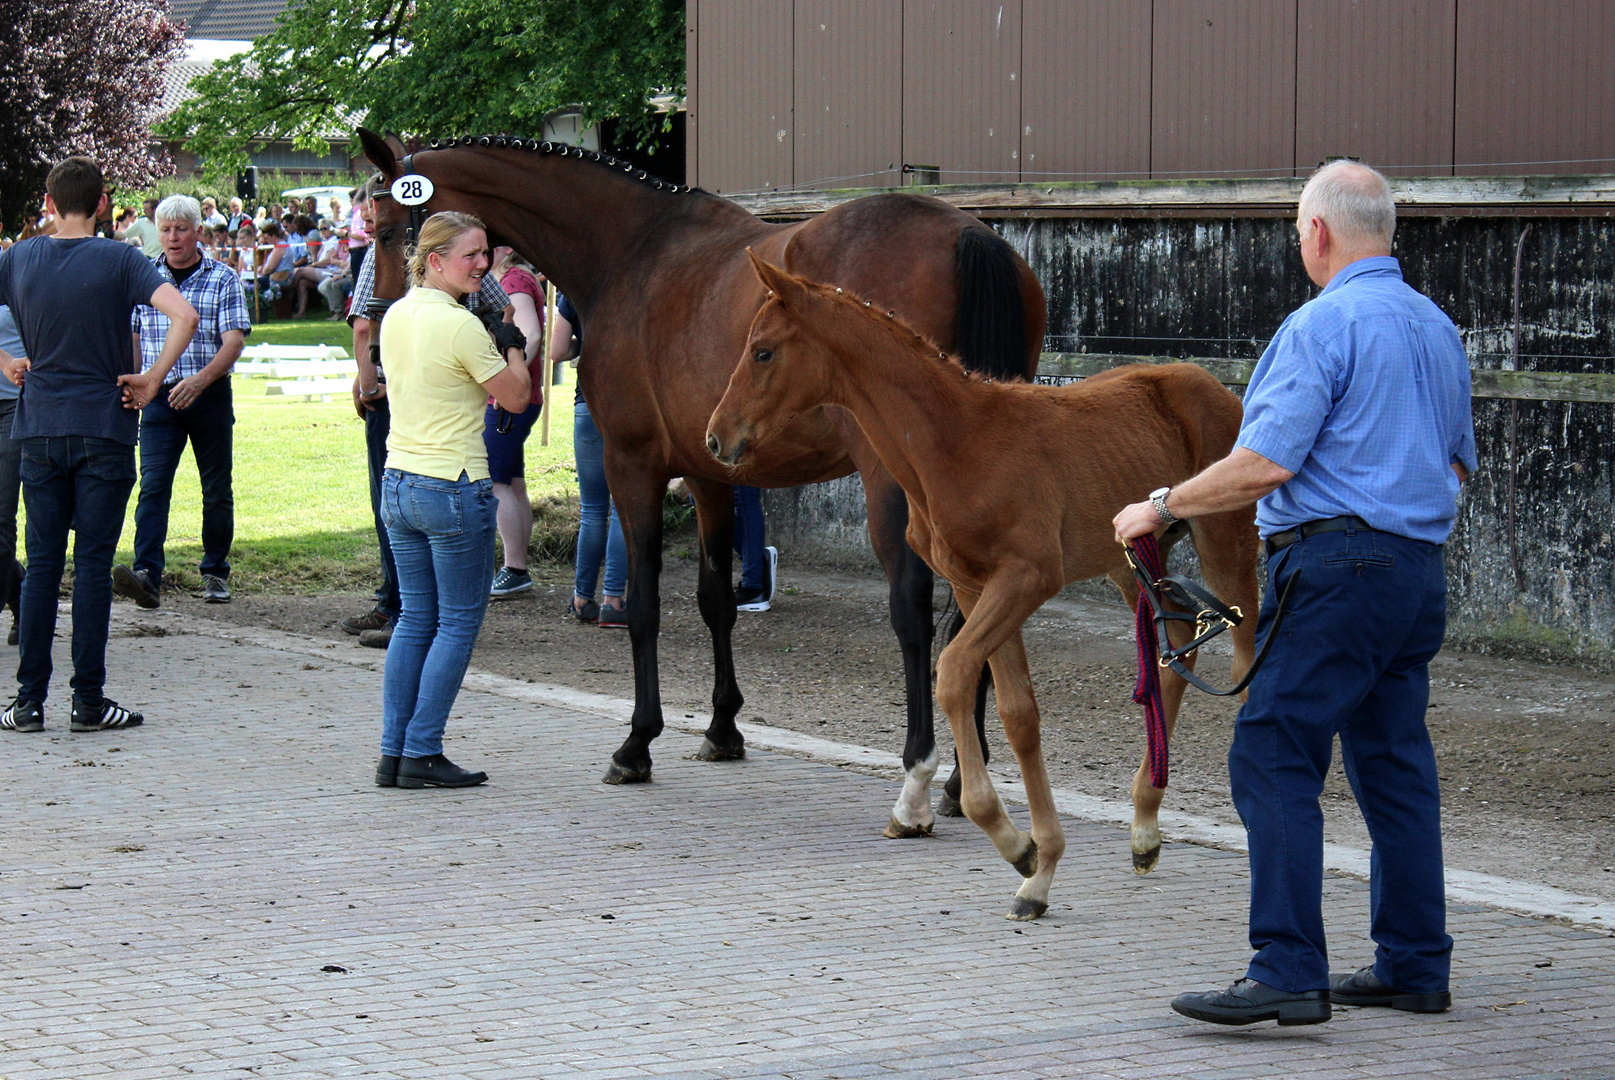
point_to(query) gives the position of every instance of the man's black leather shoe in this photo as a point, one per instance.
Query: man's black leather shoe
(1248, 1001)
(1363, 987)
(387, 771)
(436, 771)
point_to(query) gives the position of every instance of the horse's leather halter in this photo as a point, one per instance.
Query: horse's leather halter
(1209, 615)
(377, 306)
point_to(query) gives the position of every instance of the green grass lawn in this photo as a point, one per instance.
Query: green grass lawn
(302, 499)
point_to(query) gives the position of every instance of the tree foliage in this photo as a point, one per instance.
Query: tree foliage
(434, 67)
(80, 77)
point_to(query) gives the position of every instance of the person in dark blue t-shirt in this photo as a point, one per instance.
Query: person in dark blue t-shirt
(72, 295)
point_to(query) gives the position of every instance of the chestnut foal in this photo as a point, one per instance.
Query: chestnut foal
(1011, 490)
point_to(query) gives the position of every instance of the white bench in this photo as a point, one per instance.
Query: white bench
(309, 389)
(295, 361)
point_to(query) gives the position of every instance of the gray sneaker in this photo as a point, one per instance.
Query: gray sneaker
(377, 639)
(214, 590)
(509, 582)
(135, 585)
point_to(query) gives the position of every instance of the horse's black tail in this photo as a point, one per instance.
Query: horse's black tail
(992, 315)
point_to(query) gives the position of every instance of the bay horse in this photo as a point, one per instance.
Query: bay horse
(1011, 489)
(659, 276)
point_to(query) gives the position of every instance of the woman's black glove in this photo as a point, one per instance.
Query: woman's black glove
(507, 336)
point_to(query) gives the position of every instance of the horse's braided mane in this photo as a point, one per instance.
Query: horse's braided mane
(904, 333)
(512, 142)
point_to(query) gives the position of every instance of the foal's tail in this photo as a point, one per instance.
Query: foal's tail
(992, 313)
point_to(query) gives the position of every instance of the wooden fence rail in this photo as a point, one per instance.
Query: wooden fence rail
(1058, 367)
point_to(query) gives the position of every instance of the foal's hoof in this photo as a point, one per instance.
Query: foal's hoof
(1026, 865)
(711, 751)
(621, 774)
(896, 830)
(1144, 861)
(1026, 910)
(948, 806)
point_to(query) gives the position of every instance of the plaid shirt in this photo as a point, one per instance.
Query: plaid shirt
(216, 295)
(488, 298)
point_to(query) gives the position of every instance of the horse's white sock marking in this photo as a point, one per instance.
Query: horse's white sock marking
(914, 803)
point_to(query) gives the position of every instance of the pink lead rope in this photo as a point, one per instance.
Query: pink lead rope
(1147, 691)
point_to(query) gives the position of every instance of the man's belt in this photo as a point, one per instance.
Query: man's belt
(1281, 540)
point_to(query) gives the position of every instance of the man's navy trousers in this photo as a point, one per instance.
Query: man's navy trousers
(1352, 660)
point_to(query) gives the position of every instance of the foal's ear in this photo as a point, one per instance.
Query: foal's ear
(381, 152)
(780, 283)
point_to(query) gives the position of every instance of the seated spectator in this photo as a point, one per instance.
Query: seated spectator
(210, 213)
(331, 259)
(274, 265)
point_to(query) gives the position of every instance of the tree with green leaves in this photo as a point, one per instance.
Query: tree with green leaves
(434, 68)
(80, 77)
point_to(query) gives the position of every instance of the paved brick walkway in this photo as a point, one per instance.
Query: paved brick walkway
(223, 893)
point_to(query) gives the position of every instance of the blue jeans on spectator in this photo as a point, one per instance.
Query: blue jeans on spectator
(599, 531)
(377, 422)
(83, 484)
(442, 538)
(749, 536)
(10, 487)
(1352, 659)
(208, 426)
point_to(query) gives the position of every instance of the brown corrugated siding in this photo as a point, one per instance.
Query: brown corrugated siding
(812, 93)
(1085, 104)
(1224, 88)
(849, 93)
(1374, 82)
(961, 88)
(745, 63)
(1535, 92)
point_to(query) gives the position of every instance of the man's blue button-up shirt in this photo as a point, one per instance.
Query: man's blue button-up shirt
(1364, 395)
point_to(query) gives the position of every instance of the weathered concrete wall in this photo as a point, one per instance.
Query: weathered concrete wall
(1188, 287)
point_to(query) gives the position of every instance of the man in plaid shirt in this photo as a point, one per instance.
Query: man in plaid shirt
(193, 405)
(375, 627)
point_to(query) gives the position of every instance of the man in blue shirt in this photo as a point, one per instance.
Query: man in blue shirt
(72, 295)
(1356, 437)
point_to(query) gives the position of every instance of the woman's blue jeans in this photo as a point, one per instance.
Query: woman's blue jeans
(599, 531)
(442, 539)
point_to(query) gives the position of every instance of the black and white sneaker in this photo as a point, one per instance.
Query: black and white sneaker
(134, 585)
(23, 715)
(761, 599)
(103, 715)
(509, 582)
(214, 590)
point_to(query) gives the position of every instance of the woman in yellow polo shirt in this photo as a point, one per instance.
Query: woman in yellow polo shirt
(437, 500)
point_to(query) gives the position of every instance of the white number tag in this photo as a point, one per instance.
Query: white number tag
(412, 190)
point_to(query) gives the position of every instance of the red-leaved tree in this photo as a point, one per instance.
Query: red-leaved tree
(80, 77)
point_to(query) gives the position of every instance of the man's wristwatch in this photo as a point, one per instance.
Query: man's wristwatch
(1158, 500)
(370, 393)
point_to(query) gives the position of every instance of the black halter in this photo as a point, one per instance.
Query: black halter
(1209, 615)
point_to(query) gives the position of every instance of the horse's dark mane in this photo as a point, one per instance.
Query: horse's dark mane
(512, 142)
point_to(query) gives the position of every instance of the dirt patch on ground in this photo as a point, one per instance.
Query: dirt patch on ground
(1527, 751)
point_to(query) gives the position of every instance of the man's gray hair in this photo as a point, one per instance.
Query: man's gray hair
(180, 208)
(1354, 200)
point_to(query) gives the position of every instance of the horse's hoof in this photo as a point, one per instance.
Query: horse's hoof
(1026, 865)
(896, 830)
(948, 806)
(618, 774)
(1026, 910)
(1144, 861)
(711, 751)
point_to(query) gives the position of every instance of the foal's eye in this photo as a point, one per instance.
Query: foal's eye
(763, 356)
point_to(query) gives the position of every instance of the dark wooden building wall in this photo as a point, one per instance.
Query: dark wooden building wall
(994, 91)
